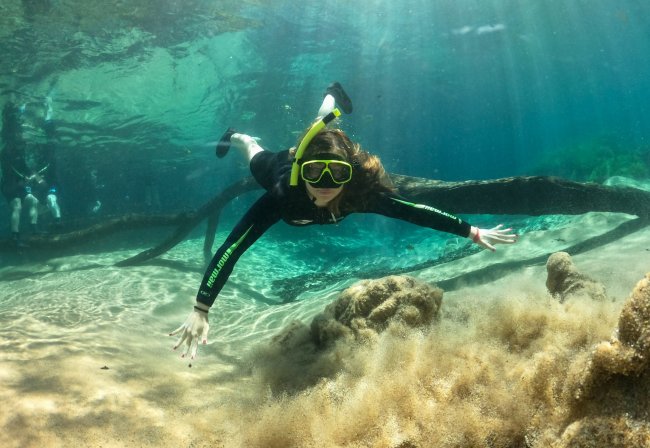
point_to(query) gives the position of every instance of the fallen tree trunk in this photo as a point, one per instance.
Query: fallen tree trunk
(211, 208)
(533, 196)
(290, 288)
(97, 231)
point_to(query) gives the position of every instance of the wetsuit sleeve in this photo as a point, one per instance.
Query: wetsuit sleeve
(395, 206)
(262, 215)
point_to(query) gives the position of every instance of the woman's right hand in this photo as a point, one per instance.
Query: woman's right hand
(195, 326)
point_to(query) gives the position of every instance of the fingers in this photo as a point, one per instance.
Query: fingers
(508, 239)
(482, 242)
(188, 346)
(497, 235)
(499, 231)
(181, 340)
(194, 346)
(178, 330)
(191, 345)
(204, 335)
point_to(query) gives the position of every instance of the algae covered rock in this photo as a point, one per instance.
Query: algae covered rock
(369, 306)
(564, 280)
(365, 309)
(628, 350)
(634, 322)
(301, 355)
(609, 403)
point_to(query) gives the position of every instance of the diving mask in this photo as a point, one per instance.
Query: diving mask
(312, 171)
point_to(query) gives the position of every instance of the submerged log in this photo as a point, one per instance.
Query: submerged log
(94, 232)
(185, 222)
(211, 209)
(533, 196)
(288, 289)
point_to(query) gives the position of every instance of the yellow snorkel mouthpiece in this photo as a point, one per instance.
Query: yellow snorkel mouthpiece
(311, 133)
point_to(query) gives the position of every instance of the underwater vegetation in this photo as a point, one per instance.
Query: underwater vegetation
(609, 391)
(534, 360)
(358, 316)
(386, 365)
(596, 160)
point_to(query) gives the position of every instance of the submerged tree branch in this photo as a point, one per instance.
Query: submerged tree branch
(212, 208)
(533, 196)
(97, 231)
(289, 289)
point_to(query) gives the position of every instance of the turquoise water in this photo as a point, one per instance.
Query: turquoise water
(450, 90)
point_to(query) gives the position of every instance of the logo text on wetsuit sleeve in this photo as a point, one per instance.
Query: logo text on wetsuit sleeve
(224, 258)
(427, 208)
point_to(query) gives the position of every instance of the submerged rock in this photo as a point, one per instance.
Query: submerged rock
(369, 306)
(365, 309)
(557, 390)
(609, 402)
(626, 353)
(301, 355)
(634, 323)
(564, 280)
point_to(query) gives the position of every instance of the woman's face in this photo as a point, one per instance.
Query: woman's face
(328, 190)
(322, 196)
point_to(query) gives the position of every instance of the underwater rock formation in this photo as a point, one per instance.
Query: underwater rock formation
(564, 280)
(609, 394)
(554, 392)
(369, 306)
(301, 355)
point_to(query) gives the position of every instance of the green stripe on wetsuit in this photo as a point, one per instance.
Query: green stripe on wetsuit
(224, 258)
(427, 208)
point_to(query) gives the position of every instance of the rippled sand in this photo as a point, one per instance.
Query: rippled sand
(85, 359)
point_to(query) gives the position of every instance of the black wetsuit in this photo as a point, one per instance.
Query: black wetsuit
(293, 206)
(12, 159)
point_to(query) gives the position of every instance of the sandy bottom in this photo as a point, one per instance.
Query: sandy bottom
(85, 359)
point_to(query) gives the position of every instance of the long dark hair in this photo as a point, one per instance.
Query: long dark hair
(368, 174)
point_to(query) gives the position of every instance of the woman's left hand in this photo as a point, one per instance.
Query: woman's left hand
(489, 237)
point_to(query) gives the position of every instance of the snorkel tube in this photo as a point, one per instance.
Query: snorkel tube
(311, 133)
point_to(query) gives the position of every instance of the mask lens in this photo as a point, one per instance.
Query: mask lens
(312, 171)
(341, 172)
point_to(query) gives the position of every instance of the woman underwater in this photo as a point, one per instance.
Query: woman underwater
(326, 178)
